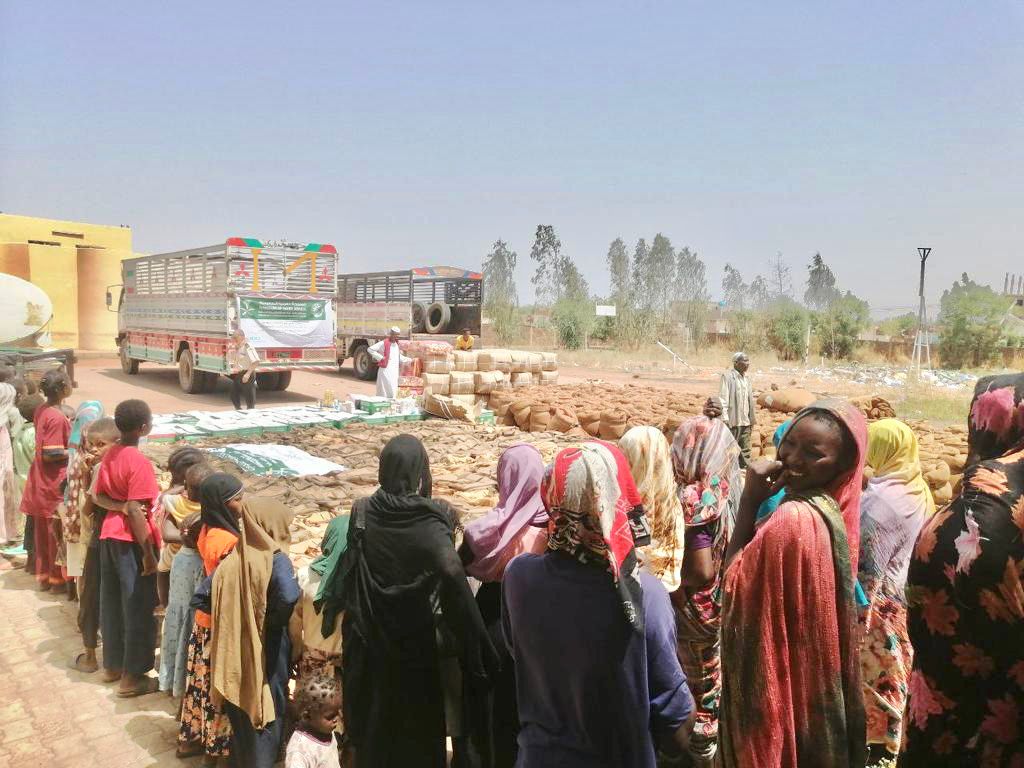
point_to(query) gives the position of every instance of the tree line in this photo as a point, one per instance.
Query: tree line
(661, 292)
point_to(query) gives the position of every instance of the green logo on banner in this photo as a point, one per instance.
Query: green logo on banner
(282, 309)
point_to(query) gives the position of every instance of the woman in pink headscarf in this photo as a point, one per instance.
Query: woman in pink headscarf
(517, 524)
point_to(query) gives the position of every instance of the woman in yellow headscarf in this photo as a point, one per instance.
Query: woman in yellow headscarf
(895, 505)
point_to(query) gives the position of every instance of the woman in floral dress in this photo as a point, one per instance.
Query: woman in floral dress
(966, 601)
(893, 508)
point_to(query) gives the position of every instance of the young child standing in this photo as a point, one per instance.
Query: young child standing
(72, 546)
(186, 574)
(126, 486)
(24, 451)
(43, 491)
(173, 507)
(313, 744)
(98, 437)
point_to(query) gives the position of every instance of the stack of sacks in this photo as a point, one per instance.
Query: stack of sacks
(943, 456)
(465, 362)
(437, 357)
(494, 360)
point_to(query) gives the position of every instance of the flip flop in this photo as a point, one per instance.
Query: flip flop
(77, 665)
(146, 686)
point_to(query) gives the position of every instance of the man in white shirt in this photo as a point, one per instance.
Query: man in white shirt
(245, 359)
(389, 360)
(737, 401)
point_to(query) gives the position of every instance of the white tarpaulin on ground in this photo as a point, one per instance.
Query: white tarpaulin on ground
(278, 460)
(271, 322)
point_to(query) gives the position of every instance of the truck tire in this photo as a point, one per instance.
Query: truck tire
(189, 378)
(419, 316)
(438, 316)
(267, 382)
(284, 380)
(363, 364)
(129, 365)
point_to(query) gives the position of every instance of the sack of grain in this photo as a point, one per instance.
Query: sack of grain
(522, 380)
(956, 463)
(549, 361)
(483, 381)
(461, 383)
(943, 495)
(614, 423)
(540, 417)
(535, 362)
(786, 400)
(590, 421)
(465, 361)
(520, 361)
(499, 402)
(436, 383)
(548, 378)
(938, 476)
(562, 420)
(446, 408)
(494, 360)
(520, 410)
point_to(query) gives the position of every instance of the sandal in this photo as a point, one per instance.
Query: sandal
(145, 686)
(88, 669)
(111, 675)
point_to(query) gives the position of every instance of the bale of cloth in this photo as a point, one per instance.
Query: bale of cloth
(436, 383)
(461, 383)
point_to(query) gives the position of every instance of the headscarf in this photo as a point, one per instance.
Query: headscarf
(492, 536)
(893, 455)
(705, 459)
(590, 518)
(85, 414)
(847, 486)
(996, 422)
(650, 464)
(770, 504)
(404, 469)
(214, 494)
(328, 594)
(239, 594)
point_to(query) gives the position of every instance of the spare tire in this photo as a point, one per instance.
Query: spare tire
(438, 316)
(419, 316)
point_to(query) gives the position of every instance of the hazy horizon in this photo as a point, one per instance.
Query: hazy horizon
(410, 134)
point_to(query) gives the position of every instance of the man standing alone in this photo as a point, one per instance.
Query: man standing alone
(737, 399)
(389, 360)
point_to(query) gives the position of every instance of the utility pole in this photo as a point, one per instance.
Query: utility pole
(922, 346)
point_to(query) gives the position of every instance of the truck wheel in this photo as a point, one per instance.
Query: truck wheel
(438, 316)
(419, 316)
(284, 380)
(189, 378)
(363, 364)
(267, 382)
(129, 365)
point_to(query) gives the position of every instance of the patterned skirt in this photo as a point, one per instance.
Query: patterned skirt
(202, 722)
(700, 654)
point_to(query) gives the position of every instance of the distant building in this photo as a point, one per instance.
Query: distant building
(73, 263)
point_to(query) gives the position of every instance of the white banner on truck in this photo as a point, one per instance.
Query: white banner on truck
(271, 322)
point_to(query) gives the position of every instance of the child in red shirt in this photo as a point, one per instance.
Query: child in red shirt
(43, 491)
(126, 486)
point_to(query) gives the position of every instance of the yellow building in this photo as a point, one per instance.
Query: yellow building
(73, 263)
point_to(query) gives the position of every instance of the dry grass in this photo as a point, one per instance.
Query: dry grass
(653, 356)
(933, 404)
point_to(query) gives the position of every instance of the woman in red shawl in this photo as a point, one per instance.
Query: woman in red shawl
(791, 693)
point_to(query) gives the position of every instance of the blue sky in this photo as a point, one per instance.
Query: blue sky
(420, 132)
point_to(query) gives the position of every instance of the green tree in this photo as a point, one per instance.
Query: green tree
(779, 278)
(787, 329)
(734, 289)
(821, 285)
(500, 296)
(618, 270)
(660, 274)
(971, 316)
(691, 292)
(546, 254)
(899, 327)
(838, 326)
(758, 292)
(748, 330)
(639, 279)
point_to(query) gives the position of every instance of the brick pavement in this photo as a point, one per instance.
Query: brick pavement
(52, 716)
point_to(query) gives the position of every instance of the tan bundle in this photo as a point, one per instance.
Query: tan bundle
(438, 364)
(499, 402)
(461, 383)
(535, 362)
(562, 420)
(540, 417)
(483, 381)
(436, 383)
(549, 361)
(614, 423)
(548, 378)
(590, 421)
(520, 361)
(939, 476)
(943, 495)
(446, 408)
(535, 378)
(520, 410)
(522, 380)
(494, 360)
(469, 401)
(464, 361)
(786, 400)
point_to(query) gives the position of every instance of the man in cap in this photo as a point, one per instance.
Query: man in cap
(736, 398)
(389, 360)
